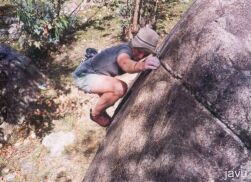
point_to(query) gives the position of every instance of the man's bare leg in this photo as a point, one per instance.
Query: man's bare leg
(106, 100)
(110, 90)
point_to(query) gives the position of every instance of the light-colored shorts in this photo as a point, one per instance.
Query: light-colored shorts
(84, 82)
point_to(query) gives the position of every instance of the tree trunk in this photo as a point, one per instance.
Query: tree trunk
(135, 21)
(155, 13)
(190, 119)
(58, 7)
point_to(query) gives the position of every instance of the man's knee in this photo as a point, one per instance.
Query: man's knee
(120, 89)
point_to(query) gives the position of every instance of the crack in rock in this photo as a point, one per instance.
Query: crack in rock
(219, 119)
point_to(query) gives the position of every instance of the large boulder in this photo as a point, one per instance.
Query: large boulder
(189, 120)
(20, 86)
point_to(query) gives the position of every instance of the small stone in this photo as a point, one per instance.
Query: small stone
(5, 170)
(9, 177)
(5, 137)
(33, 135)
(27, 167)
(17, 144)
(56, 142)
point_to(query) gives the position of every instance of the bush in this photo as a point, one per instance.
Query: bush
(43, 22)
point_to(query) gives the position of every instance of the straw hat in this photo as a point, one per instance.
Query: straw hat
(146, 38)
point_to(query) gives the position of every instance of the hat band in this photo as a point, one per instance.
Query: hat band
(145, 41)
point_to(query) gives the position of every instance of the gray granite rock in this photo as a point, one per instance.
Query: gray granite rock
(18, 86)
(190, 119)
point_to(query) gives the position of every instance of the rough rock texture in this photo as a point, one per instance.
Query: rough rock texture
(189, 120)
(19, 87)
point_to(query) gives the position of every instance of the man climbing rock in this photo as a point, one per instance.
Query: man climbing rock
(97, 74)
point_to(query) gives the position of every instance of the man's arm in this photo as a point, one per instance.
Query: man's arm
(128, 65)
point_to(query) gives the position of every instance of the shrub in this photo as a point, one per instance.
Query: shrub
(42, 20)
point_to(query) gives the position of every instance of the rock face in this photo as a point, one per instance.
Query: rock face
(189, 120)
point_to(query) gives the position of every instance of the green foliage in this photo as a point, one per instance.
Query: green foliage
(126, 13)
(148, 10)
(151, 12)
(42, 22)
(146, 15)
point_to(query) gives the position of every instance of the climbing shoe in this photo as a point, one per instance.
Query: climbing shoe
(102, 119)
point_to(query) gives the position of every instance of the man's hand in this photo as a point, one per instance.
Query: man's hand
(130, 66)
(152, 63)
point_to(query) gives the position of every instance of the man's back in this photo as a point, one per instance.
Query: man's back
(105, 62)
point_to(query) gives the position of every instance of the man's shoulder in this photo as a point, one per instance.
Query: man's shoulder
(119, 46)
(116, 50)
(125, 48)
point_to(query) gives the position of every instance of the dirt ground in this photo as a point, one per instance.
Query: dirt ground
(28, 159)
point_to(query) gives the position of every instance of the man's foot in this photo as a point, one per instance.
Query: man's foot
(102, 119)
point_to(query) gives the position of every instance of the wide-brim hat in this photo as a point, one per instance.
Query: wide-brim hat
(146, 38)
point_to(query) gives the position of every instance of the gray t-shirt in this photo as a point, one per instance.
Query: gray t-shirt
(105, 62)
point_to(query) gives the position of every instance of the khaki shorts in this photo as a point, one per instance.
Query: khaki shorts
(84, 82)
